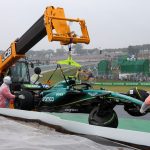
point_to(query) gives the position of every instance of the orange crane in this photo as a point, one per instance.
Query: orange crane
(52, 23)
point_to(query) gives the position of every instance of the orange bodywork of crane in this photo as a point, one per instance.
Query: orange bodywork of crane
(53, 24)
(55, 19)
(8, 58)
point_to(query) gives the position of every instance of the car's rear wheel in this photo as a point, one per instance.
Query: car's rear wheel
(107, 119)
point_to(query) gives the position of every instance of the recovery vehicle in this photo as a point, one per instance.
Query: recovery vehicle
(55, 25)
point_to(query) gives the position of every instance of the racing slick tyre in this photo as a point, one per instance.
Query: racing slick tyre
(110, 118)
(24, 104)
(133, 110)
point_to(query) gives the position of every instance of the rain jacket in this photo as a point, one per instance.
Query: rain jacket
(5, 96)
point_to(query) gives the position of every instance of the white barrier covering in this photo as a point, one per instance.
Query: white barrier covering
(134, 137)
(18, 135)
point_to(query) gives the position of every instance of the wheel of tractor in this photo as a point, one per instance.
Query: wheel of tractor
(110, 118)
(25, 104)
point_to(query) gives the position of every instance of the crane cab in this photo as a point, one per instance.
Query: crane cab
(20, 74)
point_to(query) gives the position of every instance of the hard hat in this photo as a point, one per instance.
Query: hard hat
(7, 80)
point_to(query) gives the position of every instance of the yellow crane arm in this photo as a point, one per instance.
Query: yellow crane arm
(55, 20)
(54, 24)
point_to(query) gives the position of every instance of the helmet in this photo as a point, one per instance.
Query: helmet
(7, 80)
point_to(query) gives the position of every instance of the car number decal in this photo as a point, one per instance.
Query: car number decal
(48, 99)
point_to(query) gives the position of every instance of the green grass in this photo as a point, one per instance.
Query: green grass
(122, 88)
(57, 76)
(71, 71)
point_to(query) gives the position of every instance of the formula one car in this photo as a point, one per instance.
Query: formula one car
(74, 97)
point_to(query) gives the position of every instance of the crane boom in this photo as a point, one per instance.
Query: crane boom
(53, 24)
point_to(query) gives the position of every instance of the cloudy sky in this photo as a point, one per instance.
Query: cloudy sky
(111, 23)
